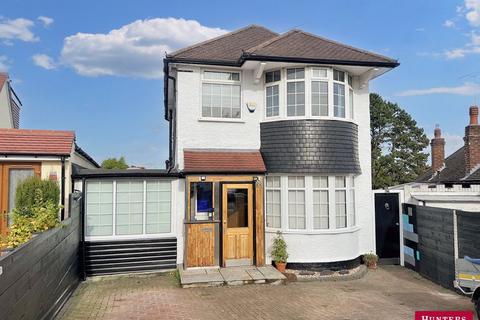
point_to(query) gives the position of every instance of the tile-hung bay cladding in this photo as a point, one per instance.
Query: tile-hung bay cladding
(269, 132)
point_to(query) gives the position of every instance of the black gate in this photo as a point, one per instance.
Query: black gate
(387, 227)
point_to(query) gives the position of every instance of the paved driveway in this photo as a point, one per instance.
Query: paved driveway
(391, 292)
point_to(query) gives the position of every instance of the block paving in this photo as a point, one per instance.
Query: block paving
(391, 292)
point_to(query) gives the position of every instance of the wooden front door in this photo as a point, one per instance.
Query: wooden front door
(237, 219)
(11, 174)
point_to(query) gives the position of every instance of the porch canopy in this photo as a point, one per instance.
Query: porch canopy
(223, 161)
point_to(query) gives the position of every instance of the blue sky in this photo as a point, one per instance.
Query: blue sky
(95, 66)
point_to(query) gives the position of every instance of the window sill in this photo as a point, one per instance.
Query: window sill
(273, 119)
(221, 120)
(314, 232)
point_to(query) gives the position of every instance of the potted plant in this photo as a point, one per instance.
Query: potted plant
(279, 252)
(370, 259)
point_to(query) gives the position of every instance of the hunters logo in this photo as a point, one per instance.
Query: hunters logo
(443, 315)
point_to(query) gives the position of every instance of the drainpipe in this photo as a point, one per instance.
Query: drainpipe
(83, 274)
(62, 200)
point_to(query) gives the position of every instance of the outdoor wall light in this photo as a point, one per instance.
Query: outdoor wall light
(203, 178)
(251, 106)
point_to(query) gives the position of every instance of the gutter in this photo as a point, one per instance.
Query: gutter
(247, 57)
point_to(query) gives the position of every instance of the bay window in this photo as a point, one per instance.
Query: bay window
(295, 92)
(221, 95)
(311, 203)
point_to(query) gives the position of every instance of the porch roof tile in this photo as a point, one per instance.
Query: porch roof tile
(36, 142)
(199, 161)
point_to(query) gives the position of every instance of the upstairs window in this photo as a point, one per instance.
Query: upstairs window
(272, 93)
(272, 76)
(221, 95)
(295, 92)
(338, 94)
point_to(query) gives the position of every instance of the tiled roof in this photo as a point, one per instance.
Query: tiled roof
(36, 142)
(196, 161)
(258, 43)
(227, 48)
(453, 171)
(3, 78)
(298, 44)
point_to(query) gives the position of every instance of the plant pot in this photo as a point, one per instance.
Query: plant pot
(372, 265)
(281, 266)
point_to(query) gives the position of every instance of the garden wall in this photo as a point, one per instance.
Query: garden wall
(429, 240)
(39, 276)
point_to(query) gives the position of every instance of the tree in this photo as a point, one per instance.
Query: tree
(114, 163)
(397, 144)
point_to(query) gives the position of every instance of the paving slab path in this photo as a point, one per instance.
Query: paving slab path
(391, 292)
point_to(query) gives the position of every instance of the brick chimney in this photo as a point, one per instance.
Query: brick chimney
(472, 141)
(438, 150)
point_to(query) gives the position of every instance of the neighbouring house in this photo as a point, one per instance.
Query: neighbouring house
(452, 182)
(9, 104)
(48, 154)
(268, 132)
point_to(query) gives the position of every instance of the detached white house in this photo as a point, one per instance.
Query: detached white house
(268, 132)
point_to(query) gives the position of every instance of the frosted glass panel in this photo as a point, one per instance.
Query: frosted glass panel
(129, 215)
(16, 176)
(158, 207)
(99, 210)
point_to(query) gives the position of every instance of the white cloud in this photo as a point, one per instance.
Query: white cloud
(46, 21)
(44, 61)
(449, 23)
(136, 49)
(467, 89)
(472, 8)
(17, 29)
(4, 63)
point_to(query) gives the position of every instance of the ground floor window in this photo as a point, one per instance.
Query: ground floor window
(318, 202)
(127, 207)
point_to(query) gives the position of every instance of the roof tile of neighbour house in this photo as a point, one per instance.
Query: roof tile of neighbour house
(258, 43)
(223, 161)
(3, 79)
(36, 142)
(453, 171)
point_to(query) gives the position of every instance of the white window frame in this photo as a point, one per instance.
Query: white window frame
(321, 189)
(309, 78)
(144, 235)
(271, 84)
(297, 190)
(345, 190)
(305, 93)
(225, 82)
(278, 189)
(309, 189)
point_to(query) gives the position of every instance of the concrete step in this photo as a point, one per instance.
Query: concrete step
(231, 276)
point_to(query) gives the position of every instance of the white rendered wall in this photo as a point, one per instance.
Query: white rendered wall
(193, 132)
(5, 111)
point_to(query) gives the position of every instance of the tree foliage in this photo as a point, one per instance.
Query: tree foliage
(397, 144)
(114, 163)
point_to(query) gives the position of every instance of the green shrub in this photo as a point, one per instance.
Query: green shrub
(35, 192)
(279, 249)
(39, 217)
